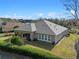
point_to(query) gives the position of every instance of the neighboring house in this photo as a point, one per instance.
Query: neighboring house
(9, 26)
(1, 23)
(42, 30)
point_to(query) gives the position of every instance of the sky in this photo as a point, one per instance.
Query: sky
(32, 9)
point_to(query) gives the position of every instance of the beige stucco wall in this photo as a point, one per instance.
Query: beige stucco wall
(33, 36)
(60, 36)
(52, 38)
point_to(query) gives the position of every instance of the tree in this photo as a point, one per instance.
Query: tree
(72, 6)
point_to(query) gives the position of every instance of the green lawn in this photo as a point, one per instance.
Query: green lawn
(65, 48)
(28, 49)
(4, 38)
(6, 34)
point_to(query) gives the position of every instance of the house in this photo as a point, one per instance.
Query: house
(1, 23)
(9, 26)
(42, 30)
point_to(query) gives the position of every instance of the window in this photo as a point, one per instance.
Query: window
(49, 37)
(38, 36)
(45, 37)
(42, 36)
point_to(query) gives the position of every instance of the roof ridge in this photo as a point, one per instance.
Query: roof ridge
(48, 25)
(33, 26)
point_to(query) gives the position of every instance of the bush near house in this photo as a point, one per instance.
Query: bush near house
(27, 50)
(16, 40)
(72, 31)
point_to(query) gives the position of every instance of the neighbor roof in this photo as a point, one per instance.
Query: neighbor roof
(10, 25)
(1, 23)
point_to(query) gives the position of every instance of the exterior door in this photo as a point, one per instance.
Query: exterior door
(27, 36)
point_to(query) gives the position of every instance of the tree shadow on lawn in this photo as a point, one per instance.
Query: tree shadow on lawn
(77, 48)
(41, 44)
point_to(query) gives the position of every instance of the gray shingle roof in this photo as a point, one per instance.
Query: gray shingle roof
(1, 23)
(30, 27)
(44, 27)
(57, 29)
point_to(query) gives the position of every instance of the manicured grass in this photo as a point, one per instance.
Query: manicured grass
(6, 34)
(66, 47)
(27, 50)
(5, 38)
(37, 52)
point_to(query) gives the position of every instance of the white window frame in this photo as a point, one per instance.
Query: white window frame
(49, 37)
(42, 36)
(45, 37)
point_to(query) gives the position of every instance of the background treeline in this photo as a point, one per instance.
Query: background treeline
(64, 22)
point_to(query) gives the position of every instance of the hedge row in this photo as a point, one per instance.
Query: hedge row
(28, 50)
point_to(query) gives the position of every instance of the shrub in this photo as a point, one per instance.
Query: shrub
(28, 50)
(36, 53)
(16, 40)
(72, 31)
(68, 35)
(29, 39)
(35, 39)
